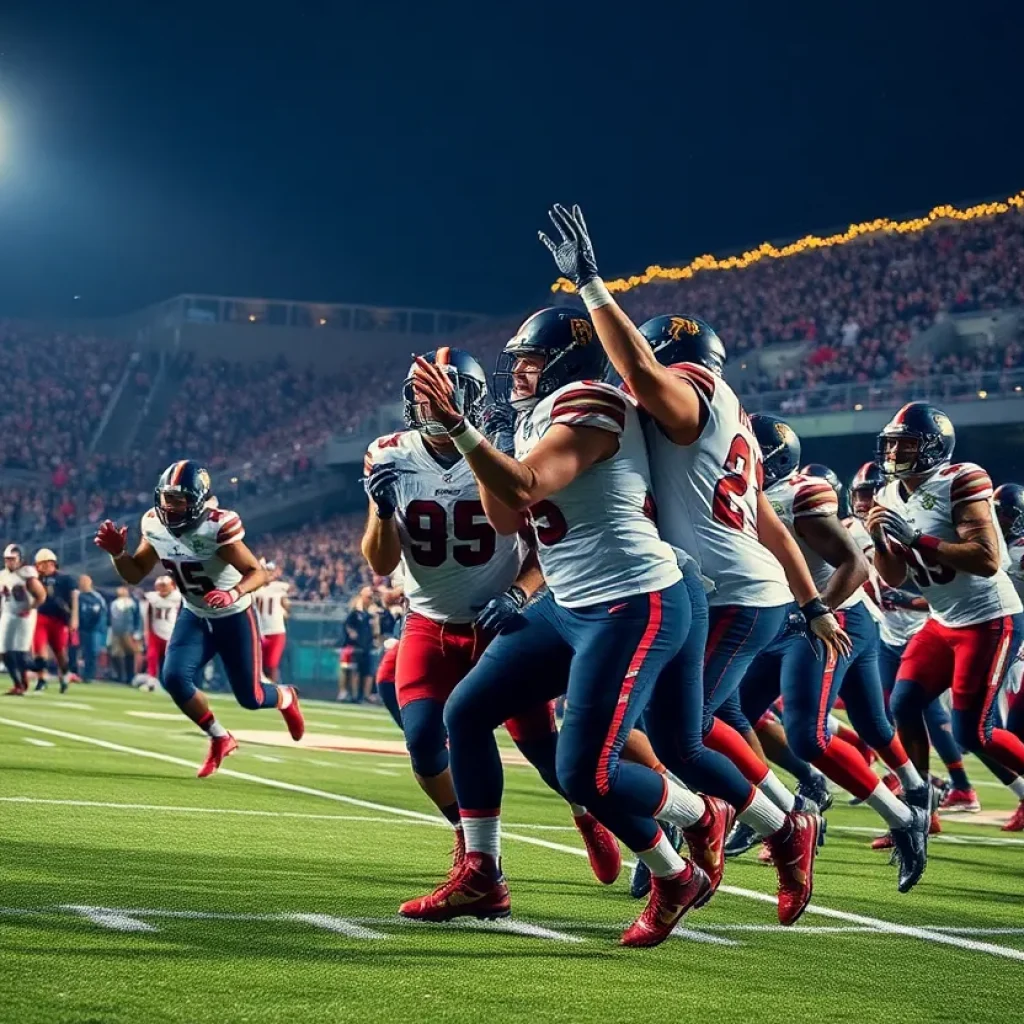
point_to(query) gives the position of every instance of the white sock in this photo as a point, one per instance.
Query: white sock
(909, 776)
(833, 724)
(681, 807)
(895, 811)
(578, 810)
(483, 835)
(763, 816)
(1017, 787)
(287, 697)
(662, 860)
(215, 729)
(773, 788)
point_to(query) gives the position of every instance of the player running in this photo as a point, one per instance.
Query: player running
(272, 604)
(202, 548)
(21, 594)
(901, 613)
(163, 605)
(934, 521)
(617, 613)
(56, 619)
(463, 582)
(704, 470)
(809, 684)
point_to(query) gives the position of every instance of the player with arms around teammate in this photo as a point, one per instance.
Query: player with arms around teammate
(617, 612)
(272, 606)
(202, 548)
(934, 521)
(163, 605)
(56, 619)
(463, 582)
(21, 594)
(705, 473)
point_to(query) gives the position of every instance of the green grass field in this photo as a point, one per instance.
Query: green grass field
(131, 891)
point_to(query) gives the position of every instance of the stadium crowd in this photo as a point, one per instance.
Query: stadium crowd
(856, 305)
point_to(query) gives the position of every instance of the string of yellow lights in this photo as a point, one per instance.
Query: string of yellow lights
(768, 251)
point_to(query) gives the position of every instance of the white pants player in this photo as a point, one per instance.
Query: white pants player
(16, 632)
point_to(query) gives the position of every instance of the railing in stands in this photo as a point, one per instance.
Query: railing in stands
(940, 389)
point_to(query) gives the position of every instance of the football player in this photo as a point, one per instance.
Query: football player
(1009, 505)
(934, 521)
(56, 619)
(163, 604)
(386, 686)
(901, 613)
(202, 547)
(464, 583)
(707, 494)
(616, 614)
(809, 683)
(21, 594)
(272, 606)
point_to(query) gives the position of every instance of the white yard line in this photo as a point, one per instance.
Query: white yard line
(38, 743)
(888, 927)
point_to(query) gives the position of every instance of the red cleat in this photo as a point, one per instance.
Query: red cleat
(292, 716)
(602, 848)
(765, 855)
(670, 899)
(16, 691)
(960, 800)
(793, 857)
(706, 842)
(1016, 823)
(474, 890)
(220, 747)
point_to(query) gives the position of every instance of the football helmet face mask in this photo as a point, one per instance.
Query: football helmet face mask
(915, 442)
(866, 483)
(780, 447)
(554, 347)
(181, 495)
(470, 384)
(1009, 503)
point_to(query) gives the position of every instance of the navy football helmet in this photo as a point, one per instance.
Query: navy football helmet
(685, 339)
(916, 441)
(468, 379)
(1009, 502)
(564, 349)
(780, 447)
(181, 495)
(866, 483)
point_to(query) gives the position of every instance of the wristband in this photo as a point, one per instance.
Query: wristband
(925, 542)
(595, 294)
(466, 437)
(518, 595)
(814, 609)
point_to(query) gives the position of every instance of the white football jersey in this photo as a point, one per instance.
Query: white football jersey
(14, 595)
(453, 561)
(896, 625)
(1015, 570)
(797, 496)
(269, 602)
(192, 558)
(162, 613)
(596, 539)
(706, 497)
(955, 598)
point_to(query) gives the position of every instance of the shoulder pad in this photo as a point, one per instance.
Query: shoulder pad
(700, 377)
(813, 496)
(590, 404)
(970, 483)
(384, 449)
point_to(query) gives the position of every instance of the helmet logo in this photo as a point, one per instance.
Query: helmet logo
(204, 479)
(680, 325)
(582, 331)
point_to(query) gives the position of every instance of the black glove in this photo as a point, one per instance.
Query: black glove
(574, 255)
(893, 598)
(500, 612)
(898, 529)
(499, 424)
(381, 487)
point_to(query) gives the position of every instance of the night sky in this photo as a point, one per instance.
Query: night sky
(405, 154)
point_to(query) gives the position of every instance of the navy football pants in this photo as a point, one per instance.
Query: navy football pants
(606, 658)
(236, 638)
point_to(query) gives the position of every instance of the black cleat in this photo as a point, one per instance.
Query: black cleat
(741, 839)
(817, 791)
(910, 847)
(40, 685)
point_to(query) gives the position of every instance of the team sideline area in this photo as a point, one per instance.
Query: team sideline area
(135, 892)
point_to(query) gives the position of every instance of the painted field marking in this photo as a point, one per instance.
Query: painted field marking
(887, 927)
(38, 743)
